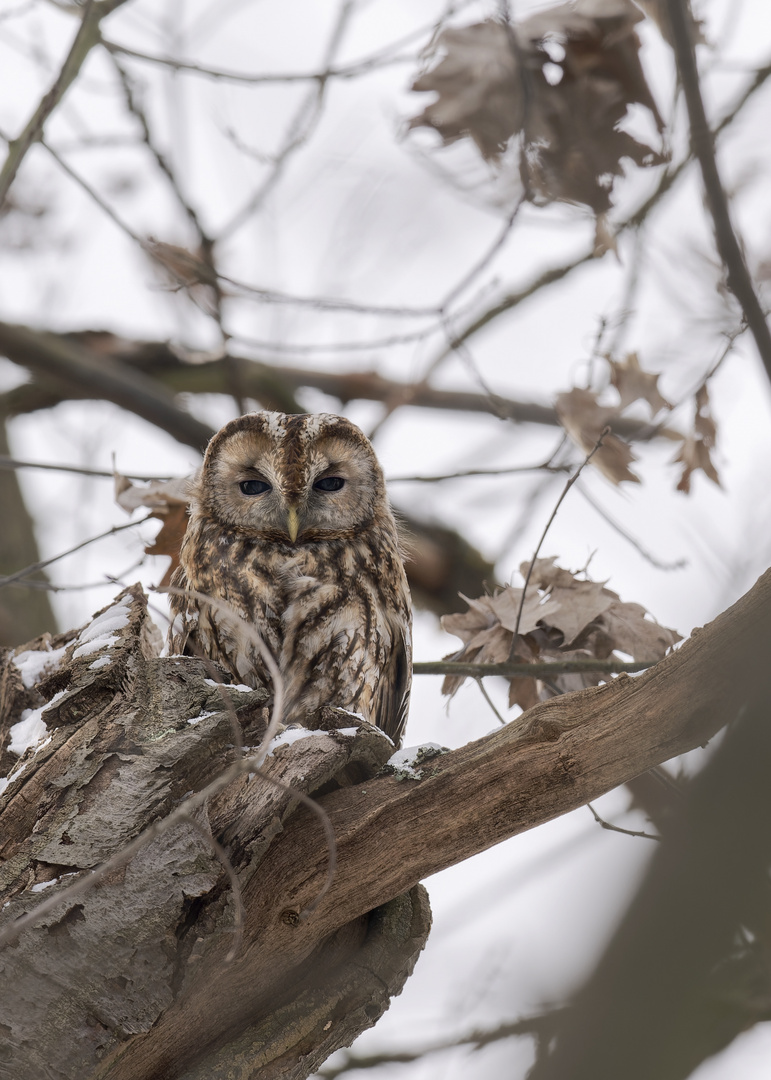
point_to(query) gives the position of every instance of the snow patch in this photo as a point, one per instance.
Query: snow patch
(291, 735)
(43, 885)
(241, 687)
(409, 762)
(197, 719)
(31, 729)
(101, 662)
(34, 664)
(100, 633)
(347, 731)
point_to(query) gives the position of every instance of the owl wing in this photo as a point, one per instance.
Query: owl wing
(179, 606)
(392, 697)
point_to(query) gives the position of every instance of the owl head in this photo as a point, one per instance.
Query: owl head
(297, 478)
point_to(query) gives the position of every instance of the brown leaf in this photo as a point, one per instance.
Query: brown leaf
(583, 418)
(168, 501)
(704, 426)
(479, 88)
(536, 609)
(627, 630)
(567, 618)
(574, 603)
(695, 452)
(634, 384)
(523, 692)
(571, 142)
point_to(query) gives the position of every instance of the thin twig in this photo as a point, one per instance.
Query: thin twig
(299, 130)
(331, 303)
(571, 480)
(537, 670)
(86, 38)
(678, 564)
(738, 276)
(537, 1026)
(510, 470)
(34, 567)
(489, 701)
(617, 828)
(14, 463)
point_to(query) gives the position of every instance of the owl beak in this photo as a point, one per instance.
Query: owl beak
(292, 523)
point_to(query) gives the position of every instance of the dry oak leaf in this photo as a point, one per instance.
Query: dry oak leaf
(583, 418)
(635, 384)
(496, 81)
(695, 452)
(479, 88)
(168, 501)
(625, 629)
(572, 603)
(564, 617)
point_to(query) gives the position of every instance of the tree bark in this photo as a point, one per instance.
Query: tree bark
(25, 612)
(130, 981)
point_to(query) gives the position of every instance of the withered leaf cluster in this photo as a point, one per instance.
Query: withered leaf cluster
(167, 501)
(561, 82)
(584, 418)
(695, 451)
(564, 617)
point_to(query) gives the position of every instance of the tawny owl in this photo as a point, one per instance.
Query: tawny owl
(290, 525)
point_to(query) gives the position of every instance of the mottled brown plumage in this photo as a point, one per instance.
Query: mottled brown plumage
(290, 526)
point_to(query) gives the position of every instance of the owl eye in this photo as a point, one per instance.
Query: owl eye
(254, 487)
(329, 483)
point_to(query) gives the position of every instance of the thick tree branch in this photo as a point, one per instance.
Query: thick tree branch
(22, 616)
(390, 831)
(67, 369)
(739, 279)
(273, 385)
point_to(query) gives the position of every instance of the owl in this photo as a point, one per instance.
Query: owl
(290, 526)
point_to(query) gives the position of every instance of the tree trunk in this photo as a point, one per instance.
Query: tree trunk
(24, 612)
(130, 978)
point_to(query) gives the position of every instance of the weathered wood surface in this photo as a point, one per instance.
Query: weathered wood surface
(130, 735)
(170, 1007)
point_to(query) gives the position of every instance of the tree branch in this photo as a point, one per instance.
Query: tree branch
(85, 39)
(391, 833)
(273, 385)
(71, 366)
(702, 145)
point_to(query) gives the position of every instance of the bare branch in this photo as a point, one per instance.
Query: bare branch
(91, 376)
(739, 279)
(86, 38)
(19, 575)
(12, 463)
(537, 670)
(571, 480)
